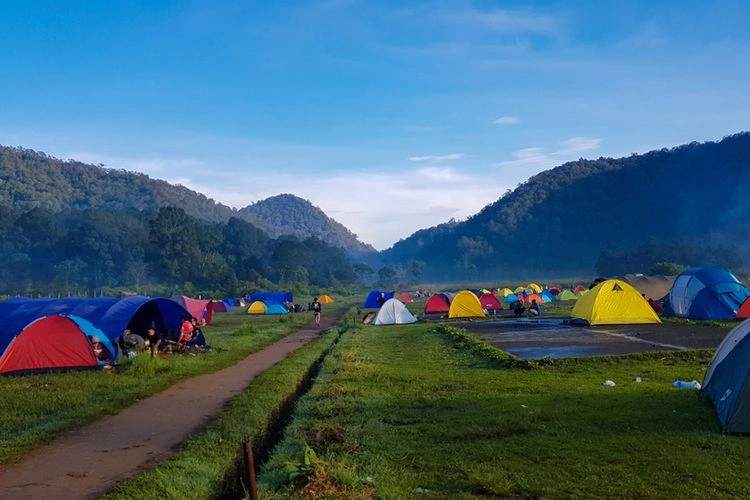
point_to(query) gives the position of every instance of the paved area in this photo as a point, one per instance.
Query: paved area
(538, 338)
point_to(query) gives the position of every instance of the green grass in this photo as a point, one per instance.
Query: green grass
(199, 468)
(35, 408)
(401, 408)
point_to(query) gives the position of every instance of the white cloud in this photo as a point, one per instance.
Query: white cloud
(538, 159)
(507, 120)
(448, 157)
(440, 174)
(502, 21)
(380, 207)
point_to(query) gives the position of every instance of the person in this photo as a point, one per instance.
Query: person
(316, 311)
(534, 309)
(186, 333)
(199, 340)
(103, 356)
(153, 340)
(518, 308)
(381, 299)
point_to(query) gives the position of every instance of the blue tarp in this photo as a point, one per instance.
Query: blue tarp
(372, 299)
(112, 316)
(272, 297)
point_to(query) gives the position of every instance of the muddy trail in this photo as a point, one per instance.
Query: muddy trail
(88, 461)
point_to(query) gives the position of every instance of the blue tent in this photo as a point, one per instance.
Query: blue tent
(706, 293)
(372, 299)
(269, 297)
(110, 315)
(727, 381)
(510, 299)
(274, 308)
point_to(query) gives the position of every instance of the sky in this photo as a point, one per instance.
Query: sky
(391, 116)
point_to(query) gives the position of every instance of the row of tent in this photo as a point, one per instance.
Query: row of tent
(698, 293)
(269, 303)
(44, 334)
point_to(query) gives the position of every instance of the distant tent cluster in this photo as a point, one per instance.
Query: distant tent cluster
(58, 334)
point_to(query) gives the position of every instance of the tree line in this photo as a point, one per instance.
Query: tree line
(164, 251)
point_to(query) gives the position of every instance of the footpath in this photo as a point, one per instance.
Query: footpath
(88, 461)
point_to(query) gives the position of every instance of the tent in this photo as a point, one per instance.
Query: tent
(371, 302)
(727, 381)
(510, 299)
(53, 343)
(438, 303)
(534, 288)
(274, 308)
(394, 312)
(403, 297)
(465, 305)
(614, 302)
(567, 295)
(505, 292)
(519, 289)
(200, 309)
(744, 311)
(257, 307)
(706, 293)
(533, 296)
(547, 296)
(579, 289)
(490, 302)
(218, 306)
(325, 299)
(110, 315)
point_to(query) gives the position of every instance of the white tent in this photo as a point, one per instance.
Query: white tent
(394, 312)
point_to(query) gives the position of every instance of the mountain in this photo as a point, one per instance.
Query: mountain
(288, 214)
(31, 179)
(687, 205)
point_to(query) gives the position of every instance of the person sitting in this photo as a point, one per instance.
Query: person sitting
(534, 309)
(154, 340)
(103, 356)
(186, 333)
(199, 340)
(518, 308)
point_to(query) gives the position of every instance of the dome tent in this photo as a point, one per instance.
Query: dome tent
(613, 302)
(727, 381)
(394, 312)
(55, 343)
(465, 305)
(706, 293)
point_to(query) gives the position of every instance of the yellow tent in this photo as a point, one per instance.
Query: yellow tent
(535, 287)
(465, 304)
(505, 292)
(325, 299)
(519, 289)
(257, 307)
(614, 302)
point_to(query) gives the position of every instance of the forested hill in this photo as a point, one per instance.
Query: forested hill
(687, 205)
(289, 214)
(30, 179)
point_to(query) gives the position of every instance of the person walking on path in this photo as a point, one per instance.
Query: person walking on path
(316, 311)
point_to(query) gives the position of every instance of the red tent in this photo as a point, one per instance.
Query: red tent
(438, 303)
(200, 309)
(52, 342)
(490, 302)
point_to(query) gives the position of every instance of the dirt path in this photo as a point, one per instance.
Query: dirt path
(87, 462)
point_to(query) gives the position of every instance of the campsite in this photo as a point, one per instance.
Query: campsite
(412, 404)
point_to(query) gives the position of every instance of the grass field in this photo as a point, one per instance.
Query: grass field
(35, 408)
(409, 412)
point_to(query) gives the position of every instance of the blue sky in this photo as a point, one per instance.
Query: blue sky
(390, 116)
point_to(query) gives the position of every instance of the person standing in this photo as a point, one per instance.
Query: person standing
(316, 311)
